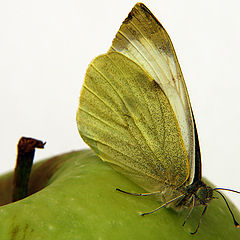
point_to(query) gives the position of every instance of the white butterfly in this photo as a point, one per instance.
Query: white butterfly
(135, 113)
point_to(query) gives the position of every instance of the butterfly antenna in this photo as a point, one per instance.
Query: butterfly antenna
(138, 194)
(190, 212)
(227, 189)
(204, 211)
(234, 219)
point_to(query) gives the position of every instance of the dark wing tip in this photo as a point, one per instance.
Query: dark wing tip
(128, 18)
(132, 13)
(146, 10)
(137, 7)
(140, 7)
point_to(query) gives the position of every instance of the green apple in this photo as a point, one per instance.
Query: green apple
(74, 197)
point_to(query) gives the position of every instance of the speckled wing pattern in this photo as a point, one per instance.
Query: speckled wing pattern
(126, 118)
(134, 108)
(144, 40)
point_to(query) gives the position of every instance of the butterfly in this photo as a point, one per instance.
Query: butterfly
(135, 114)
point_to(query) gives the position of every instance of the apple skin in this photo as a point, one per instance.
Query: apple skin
(78, 200)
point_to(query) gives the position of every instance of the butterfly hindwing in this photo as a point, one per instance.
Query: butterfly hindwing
(126, 118)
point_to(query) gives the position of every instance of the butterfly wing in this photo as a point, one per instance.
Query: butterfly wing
(144, 40)
(126, 118)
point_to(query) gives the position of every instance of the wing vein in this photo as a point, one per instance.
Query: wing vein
(156, 168)
(100, 99)
(129, 166)
(100, 120)
(152, 48)
(139, 51)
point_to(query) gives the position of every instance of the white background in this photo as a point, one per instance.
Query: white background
(46, 46)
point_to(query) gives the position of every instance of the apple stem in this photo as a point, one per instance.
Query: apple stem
(26, 149)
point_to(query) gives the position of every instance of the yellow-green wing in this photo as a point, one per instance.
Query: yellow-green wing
(126, 118)
(144, 40)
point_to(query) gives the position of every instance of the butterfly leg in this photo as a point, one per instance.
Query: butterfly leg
(190, 212)
(204, 211)
(163, 205)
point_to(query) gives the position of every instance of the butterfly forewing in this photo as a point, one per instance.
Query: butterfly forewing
(143, 39)
(128, 121)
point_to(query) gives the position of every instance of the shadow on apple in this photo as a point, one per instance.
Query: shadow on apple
(73, 197)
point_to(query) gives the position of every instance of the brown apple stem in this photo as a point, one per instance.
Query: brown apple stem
(26, 149)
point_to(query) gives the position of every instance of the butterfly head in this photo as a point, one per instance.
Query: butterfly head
(203, 194)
